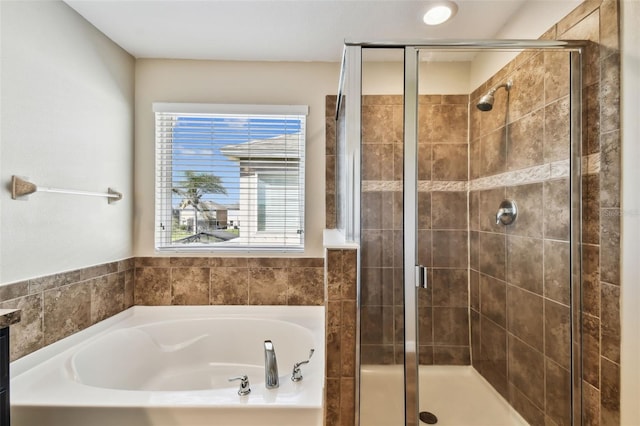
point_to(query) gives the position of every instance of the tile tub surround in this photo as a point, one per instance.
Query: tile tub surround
(9, 317)
(228, 281)
(56, 306)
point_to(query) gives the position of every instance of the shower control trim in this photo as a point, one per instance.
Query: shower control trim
(421, 276)
(507, 212)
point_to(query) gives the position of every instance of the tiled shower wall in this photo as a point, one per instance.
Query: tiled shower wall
(442, 223)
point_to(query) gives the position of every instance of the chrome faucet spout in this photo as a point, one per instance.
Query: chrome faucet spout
(271, 380)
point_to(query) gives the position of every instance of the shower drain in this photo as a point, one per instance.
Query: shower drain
(428, 418)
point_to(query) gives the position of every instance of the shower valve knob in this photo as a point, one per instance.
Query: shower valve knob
(506, 213)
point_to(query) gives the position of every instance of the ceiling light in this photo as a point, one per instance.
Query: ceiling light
(440, 13)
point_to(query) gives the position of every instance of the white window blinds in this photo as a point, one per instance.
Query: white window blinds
(229, 176)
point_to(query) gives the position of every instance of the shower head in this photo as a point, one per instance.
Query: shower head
(486, 102)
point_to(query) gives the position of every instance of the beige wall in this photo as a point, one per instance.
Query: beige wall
(231, 82)
(67, 122)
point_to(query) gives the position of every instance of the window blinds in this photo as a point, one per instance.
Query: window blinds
(229, 176)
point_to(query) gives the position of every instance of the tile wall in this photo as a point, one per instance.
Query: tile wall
(56, 306)
(442, 223)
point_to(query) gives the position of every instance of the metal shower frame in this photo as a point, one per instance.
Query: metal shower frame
(350, 75)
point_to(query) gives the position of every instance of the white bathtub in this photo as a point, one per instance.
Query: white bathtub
(170, 366)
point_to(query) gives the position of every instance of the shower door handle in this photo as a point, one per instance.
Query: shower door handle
(421, 276)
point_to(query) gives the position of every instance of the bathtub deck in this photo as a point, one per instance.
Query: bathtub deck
(458, 396)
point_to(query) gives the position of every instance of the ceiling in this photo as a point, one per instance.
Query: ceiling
(300, 30)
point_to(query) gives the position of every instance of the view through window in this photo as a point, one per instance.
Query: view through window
(229, 180)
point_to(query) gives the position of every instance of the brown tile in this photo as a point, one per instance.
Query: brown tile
(578, 14)
(447, 122)
(533, 414)
(229, 286)
(26, 336)
(349, 274)
(377, 325)
(48, 282)
(493, 153)
(493, 255)
(557, 333)
(98, 270)
(158, 262)
(268, 262)
(556, 130)
(107, 296)
(475, 338)
(610, 169)
(267, 286)
(474, 254)
(330, 174)
(305, 286)
(450, 249)
(610, 93)
(493, 300)
(609, 28)
(610, 393)
(14, 290)
(556, 75)
(306, 262)
(372, 248)
(475, 158)
(591, 209)
(610, 245)
(493, 355)
(526, 370)
(425, 355)
(424, 210)
(334, 339)
(190, 286)
(377, 286)
(590, 280)
(66, 310)
(527, 93)
(332, 402)
(591, 350)
(557, 209)
(525, 313)
(450, 287)
(451, 355)
(347, 401)
(126, 264)
(186, 262)
(474, 290)
(591, 405)
(610, 322)
(348, 337)
(152, 286)
(489, 202)
(330, 211)
(474, 210)
(377, 210)
(229, 262)
(557, 271)
(425, 244)
(587, 29)
(375, 161)
(375, 123)
(529, 199)
(334, 274)
(129, 287)
(425, 161)
(524, 263)
(526, 141)
(591, 102)
(425, 326)
(449, 210)
(377, 354)
(449, 162)
(450, 326)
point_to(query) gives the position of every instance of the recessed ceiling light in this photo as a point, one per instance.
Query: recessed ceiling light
(440, 13)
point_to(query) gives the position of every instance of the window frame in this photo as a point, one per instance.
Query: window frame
(164, 172)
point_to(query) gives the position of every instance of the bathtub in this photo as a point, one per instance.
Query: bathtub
(170, 365)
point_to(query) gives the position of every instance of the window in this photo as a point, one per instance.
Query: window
(229, 177)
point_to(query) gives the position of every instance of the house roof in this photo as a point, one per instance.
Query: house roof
(282, 146)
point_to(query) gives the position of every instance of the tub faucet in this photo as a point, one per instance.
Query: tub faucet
(271, 380)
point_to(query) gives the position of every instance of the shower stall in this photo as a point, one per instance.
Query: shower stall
(458, 173)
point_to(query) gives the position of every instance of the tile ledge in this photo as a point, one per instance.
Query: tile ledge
(9, 317)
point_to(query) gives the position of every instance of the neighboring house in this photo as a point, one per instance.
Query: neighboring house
(211, 216)
(271, 199)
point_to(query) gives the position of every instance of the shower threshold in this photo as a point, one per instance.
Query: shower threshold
(457, 395)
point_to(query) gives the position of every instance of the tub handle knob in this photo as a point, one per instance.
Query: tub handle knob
(296, 376)
(244, 385)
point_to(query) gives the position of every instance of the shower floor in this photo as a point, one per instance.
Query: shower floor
(458, 396)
